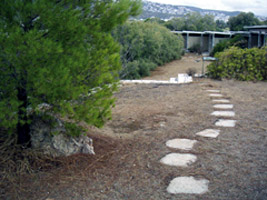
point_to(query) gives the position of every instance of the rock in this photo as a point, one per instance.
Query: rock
(188, 185)
(54, 141)
(184, 144)
(178, 159)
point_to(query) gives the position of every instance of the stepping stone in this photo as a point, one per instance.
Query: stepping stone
(184, 144)
(223, 106)
(188, 185)
(211, 133)
(213, 91)
(223, 113)
(215, 95)
(225, 123)
(221, 100)
(178, 159)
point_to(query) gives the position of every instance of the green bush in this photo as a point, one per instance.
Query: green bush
(144, 46)
(240, 64)
(238, 41)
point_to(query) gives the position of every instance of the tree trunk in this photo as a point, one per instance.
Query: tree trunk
(23, 129)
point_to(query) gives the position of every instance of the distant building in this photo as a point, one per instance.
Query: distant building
(256, 37)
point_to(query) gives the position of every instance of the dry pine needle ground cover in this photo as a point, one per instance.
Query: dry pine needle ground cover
(129, 147)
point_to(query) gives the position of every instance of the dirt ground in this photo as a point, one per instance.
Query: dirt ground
(190, 60)
(129, 147)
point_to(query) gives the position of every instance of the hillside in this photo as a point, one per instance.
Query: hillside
(166, 11)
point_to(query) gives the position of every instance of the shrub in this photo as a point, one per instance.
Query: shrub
(191, 71)
(240, 64)
(238, 41)
(144, 46)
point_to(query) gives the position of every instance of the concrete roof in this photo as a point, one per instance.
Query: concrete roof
(256, 27)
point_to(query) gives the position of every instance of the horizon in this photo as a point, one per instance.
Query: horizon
(258, 7)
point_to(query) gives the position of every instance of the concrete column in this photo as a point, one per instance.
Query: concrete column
(213, 41)
(209, 43)
(249, 40)
(264, 40)
(201, 43)
(187, 41)
(259, 39)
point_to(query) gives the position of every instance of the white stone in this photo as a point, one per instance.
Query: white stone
(215, 91)
(221, 100)
(188, 185)
(184, 144)
(223, 106)
(173, 80)
(184, 78)
(225, 123)
(156, 81)
(211, 133)
(215, 95)
(178, 159)
(223, 113)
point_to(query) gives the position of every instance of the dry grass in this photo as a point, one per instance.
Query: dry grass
(129, 147)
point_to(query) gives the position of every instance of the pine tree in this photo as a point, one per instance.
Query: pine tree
(60, 53)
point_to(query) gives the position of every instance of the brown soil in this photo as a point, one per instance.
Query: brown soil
(188, 61)
(129, 147)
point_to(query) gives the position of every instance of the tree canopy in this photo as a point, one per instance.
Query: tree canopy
(192, 22)
(60, 53)
(238, 22)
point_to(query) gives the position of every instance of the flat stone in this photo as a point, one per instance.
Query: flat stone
(213, 91)
(211, 133)
(184, 144)
(178, 159)
(184, 78)
(223, 113)
(221, 100)
(223, 106)
(215, 95)
(188, 185)
(225, 123)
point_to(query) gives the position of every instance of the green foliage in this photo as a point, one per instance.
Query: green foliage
(240, 64)
(144, 46)
(220, 25)
(238, 41)
(55, 52)
(192, 22)
(238, 22)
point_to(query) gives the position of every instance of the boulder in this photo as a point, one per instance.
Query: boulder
(54, 141)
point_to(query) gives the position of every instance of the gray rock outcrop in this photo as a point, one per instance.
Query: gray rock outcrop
(59, 144)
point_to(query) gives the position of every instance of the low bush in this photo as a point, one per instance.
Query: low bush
(238, 41)
(240, 64)
(144, 46)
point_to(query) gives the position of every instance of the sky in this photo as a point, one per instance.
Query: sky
(258, 7)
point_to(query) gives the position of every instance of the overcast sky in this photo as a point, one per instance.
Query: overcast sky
(258, 7)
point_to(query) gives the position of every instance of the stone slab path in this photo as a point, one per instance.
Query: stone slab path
(188, 185)
(221, 100)
(178, 159)
(183, 144)
(223, 106)
(225, 123)
(223, 113)
(210, 133)
(215, 95)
